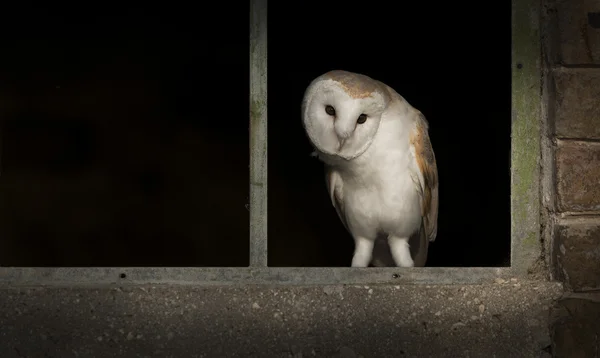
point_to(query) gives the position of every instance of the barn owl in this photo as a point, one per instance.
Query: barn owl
(381, 171)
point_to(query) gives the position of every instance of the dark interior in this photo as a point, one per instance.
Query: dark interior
(124, 135)
(446, 62)
(125, 131)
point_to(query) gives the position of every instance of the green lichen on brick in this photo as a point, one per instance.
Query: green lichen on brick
(526, 126)
(256, 110)
(258, 78)
(525, 159)
(252, 47)
(531, 240)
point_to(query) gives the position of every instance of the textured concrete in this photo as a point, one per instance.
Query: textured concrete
(577, 173)
(500, 319)
(525, 135)
(578, 31)
(576, 326)
(578, 254)
(577, 110)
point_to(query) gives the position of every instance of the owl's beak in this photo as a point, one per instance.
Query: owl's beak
(342, 142)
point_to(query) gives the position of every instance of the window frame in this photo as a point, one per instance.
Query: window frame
(526, 247)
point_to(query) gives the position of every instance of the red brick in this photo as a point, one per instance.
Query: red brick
(578, 176)
(578, 252)
(577, 108)
(578, 32)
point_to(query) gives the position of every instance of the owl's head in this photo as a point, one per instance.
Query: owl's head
(341, 112)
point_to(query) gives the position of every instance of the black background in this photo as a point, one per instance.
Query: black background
(125, 130)
(447, 60)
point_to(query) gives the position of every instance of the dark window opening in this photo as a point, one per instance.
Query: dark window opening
(125, 136)
(452, 66)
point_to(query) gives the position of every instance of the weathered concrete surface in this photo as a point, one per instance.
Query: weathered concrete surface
(576, 326)
(578, 252)
(578, 31)
(577, 109)
(508, 319)
(577, 173)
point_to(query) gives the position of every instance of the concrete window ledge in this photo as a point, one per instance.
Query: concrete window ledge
(505, 318)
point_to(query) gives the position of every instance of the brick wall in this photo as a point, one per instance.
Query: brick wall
(572, 157)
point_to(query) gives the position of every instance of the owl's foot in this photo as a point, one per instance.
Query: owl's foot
(363, 251)
(400, 250)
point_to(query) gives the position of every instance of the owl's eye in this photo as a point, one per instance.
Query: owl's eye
(330, 110)
(361, 119)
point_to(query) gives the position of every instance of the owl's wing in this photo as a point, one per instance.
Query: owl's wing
(335, 186)
(427, 175)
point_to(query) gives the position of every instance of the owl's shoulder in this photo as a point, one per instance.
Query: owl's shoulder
(419, 139)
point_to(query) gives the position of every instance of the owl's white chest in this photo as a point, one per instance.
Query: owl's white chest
(380, 194)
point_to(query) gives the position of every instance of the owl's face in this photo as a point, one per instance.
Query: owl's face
(341, 115)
